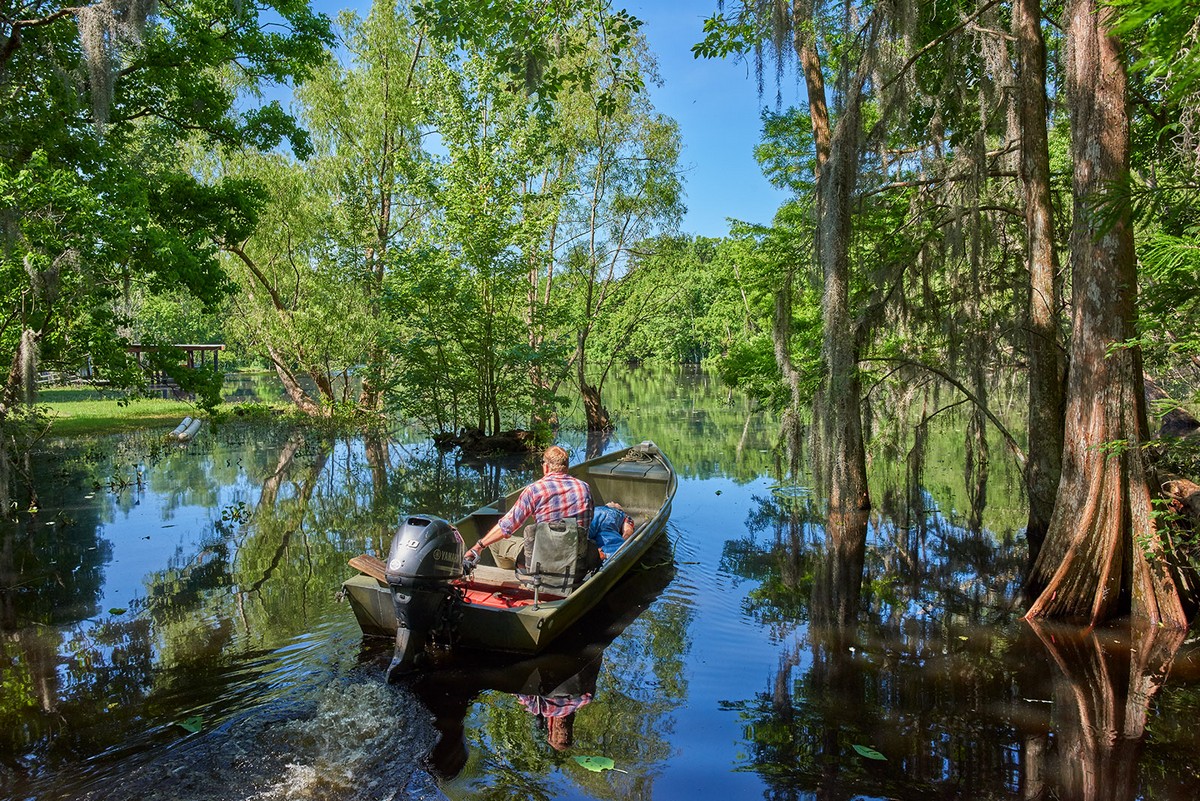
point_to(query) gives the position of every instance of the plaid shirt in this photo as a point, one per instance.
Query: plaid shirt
(554, 496)
(554, 706)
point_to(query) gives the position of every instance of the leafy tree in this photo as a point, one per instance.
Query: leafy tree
(496, 141)
(295, 308)
(313, 272)
(99, 98)
(538, 198)
(624, 165)
(366, 117)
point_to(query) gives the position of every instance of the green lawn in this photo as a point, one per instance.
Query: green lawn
(82, 410)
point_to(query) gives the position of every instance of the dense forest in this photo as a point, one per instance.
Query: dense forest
(472, 210)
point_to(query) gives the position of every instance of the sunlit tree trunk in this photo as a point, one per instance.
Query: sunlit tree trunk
(292, 388)
(781, 330)
(1094, 560)
(843, 450)
(1046, 355)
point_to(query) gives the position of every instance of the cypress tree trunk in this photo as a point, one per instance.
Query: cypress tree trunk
(839, 401)
(1046, 357)
(1094, 560)
(846, 468)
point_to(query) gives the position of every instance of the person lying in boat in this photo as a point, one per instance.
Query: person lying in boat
(611, 526)
(553, 497)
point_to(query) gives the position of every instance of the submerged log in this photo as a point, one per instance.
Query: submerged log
(473, 442)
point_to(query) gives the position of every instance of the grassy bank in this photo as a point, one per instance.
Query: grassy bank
(81, 410)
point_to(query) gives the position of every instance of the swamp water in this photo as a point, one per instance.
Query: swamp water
(170, 628)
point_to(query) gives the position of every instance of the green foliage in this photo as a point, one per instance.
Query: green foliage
(175, 317)
(786, 153)
(750, 366)
(1164, 32)
(724, 37)
(96, 197)
(537, 49)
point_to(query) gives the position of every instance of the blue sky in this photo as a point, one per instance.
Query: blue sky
(718, 110)
(716, 105)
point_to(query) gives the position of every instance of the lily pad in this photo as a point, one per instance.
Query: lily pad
(193, 724)
(116, 610)
(597, 764)
(868, 752)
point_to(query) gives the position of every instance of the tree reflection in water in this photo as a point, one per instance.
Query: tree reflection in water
(903, 656)
(1103, 688)
(218, 632)
(583, 696)
(156, 584)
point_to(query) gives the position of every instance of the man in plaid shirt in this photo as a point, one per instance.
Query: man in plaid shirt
(554, 496)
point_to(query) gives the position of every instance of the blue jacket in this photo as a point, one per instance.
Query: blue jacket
(605, 531)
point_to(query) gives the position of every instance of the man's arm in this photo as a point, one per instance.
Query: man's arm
(494, 534)
(515, 516)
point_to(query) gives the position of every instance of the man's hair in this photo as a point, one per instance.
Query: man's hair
(556, 459)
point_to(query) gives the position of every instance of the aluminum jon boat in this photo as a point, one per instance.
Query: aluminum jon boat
(423, 596)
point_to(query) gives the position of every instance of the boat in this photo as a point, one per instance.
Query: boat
(422, 595)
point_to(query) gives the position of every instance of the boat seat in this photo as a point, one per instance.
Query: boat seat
(488, 577)
(640, 470)
(554, 557)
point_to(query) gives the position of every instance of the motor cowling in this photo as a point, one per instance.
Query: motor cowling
(424, 549)
(425, 558)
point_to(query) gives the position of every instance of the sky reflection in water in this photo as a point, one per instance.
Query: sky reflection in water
(161, 589)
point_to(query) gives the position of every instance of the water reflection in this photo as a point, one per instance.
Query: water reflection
(157, 585)
(1103, 688)
(539, 711)
(170, 585)
(906, 675)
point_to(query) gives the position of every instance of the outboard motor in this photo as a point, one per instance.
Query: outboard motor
(425, 558)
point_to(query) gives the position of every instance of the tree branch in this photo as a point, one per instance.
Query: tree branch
(983, 407)
(912, 60)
